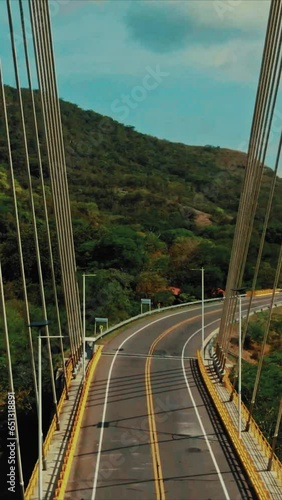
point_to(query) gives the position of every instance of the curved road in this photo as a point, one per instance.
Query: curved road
(149, 429)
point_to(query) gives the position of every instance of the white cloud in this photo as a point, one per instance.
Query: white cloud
(236, 60)
(243, 15)
(98, 44)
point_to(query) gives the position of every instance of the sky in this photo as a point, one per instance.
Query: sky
(185, 71)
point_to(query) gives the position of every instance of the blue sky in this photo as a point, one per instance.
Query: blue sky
(186, 71)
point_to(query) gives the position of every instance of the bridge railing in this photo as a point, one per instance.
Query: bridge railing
(68, 457)
(255, 430)
(258, 293)
(150, 313)
(46, 445)
(243, 454)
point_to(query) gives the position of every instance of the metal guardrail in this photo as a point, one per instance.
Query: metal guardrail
(163, 309)
(46, 445)
(150, 313)
(66, 467)
(258, 293)
(243, 455)
(255, 431)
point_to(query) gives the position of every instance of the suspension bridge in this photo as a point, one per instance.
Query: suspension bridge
(154, 414)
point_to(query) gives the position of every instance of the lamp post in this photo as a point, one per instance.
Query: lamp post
(84, 276)
(238, 292)
(240, 368)
(39, 325)
(203, 302)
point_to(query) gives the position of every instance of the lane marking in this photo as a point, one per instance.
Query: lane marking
(198, 415)
(154, 442)
(155, 452)
(159, 356)
(95, 480)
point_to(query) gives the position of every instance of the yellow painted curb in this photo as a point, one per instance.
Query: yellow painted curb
(34, 476)
(67, 463)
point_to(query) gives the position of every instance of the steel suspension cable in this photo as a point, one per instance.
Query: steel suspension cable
(266, 333)
(259, 257)
(11, 385)
(54, 145)
(60, 131)
(18, 232)
(251, 177)
(268, 113)
(52, 171)
(35, 124)
(38, 24)
(34, 222)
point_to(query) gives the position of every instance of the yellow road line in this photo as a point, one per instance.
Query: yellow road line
(157, 466)
(159, 485)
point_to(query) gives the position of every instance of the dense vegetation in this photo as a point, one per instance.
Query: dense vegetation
(145, 213)
(269, 393)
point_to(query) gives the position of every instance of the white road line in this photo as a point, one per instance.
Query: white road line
(95, 480)
(198, 415)
(107, 393)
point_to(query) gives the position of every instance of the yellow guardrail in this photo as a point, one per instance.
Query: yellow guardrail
(255, 431)
(68, 458)
(34, 476)
(263, 292)
(243, 455)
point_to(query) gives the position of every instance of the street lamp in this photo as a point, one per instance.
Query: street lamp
(203, 303)
(39, 325)
(84, 322)
(238, 292)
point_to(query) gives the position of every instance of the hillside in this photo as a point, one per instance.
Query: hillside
(145, 212)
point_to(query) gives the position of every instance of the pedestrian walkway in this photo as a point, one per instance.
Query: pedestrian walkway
(58, 446)
(269, 478)
(60, 440)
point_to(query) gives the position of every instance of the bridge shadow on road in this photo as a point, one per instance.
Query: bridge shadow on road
(242, 481)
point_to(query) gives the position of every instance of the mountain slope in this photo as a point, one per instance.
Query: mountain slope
(137, 200)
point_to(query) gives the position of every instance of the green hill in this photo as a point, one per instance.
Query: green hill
(145, 213)
(144, 210)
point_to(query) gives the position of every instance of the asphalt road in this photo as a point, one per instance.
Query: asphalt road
(149, 429)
